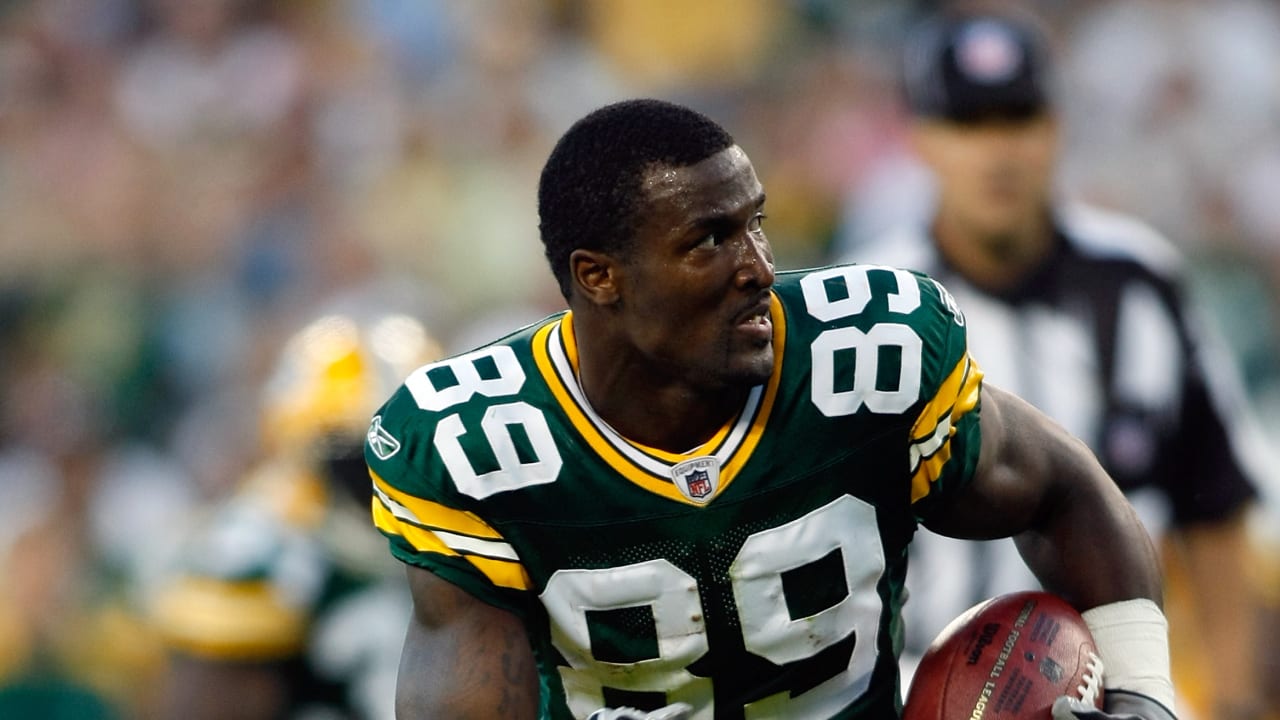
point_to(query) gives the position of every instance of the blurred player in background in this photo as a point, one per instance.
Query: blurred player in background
(1084, 314)
(286, 605)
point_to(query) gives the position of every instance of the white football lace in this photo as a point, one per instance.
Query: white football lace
(1091, 682)
(675, 711)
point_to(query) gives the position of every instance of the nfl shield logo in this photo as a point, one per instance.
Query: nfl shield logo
(699, 483)
(698, 479)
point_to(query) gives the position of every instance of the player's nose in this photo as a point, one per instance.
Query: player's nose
(755, 262)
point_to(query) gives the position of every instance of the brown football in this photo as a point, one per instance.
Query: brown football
(1007, 658)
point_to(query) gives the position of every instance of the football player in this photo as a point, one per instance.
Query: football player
(692, 493)
(286, 604)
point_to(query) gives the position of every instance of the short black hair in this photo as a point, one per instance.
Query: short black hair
(590, 187)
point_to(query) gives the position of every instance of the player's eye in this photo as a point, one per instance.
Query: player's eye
(710, 240)
(756, 223)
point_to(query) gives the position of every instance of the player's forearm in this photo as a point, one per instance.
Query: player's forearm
(1119, 566)
(1074, 527)
(1087, 543)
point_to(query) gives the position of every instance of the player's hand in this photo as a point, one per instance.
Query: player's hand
(674, 711)
(1120, 705)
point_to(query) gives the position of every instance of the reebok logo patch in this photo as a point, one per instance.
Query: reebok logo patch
(381, 442)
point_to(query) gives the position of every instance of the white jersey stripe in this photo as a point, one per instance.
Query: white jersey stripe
(926, 447)
(462, 543)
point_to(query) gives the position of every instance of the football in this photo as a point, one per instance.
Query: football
(1007, 658)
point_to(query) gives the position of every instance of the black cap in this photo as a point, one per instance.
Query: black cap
(972, 67)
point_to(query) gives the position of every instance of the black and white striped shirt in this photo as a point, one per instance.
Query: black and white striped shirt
(1102, 339)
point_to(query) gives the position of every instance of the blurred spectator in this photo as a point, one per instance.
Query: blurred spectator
(662, 45)
(88, 524)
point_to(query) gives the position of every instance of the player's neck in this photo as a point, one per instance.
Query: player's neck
(651, 409)
(995, 262)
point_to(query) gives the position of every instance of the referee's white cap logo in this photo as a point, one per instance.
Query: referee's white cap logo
(987, 53)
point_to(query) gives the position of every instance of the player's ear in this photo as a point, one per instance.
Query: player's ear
(595, 275)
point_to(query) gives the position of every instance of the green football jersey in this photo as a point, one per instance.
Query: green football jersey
(759, 575)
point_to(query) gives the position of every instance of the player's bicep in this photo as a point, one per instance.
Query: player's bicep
(463, 658)
(1013, 480)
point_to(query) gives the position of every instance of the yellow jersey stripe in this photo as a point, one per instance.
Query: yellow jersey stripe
(436, 515)
(932, 432)
(421, 539)
(779, 319)
(503, 573)
(462, 543)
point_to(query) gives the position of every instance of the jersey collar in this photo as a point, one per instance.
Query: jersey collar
(722, 456)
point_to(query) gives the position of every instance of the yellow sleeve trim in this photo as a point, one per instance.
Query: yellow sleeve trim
(932, 432)
(436, 515)
(503, 573)
(229, 620)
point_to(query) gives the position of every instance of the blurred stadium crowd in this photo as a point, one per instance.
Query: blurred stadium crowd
(183, 183)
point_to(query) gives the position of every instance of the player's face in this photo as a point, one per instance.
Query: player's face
(695, 299)
(993, 176)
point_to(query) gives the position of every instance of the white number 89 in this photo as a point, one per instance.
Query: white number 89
(846, 524)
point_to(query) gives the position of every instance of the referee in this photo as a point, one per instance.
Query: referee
(1083, 313)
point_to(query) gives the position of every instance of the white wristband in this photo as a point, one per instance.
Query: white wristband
(1133, 639)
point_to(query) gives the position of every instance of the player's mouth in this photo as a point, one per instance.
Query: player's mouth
(756, 322)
